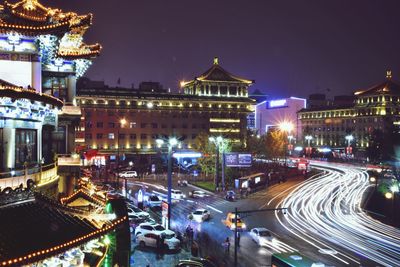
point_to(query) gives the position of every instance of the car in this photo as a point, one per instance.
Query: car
(230, 222)
(177, 194)
(138, 212)
(128, 174)
(196, 262)
(197, 194)
(152, 201)
(230, 196)
(200, 215)
(152, 240)
(182, 183)
(262, 236)
(145, 228)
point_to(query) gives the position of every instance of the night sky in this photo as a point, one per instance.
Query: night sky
(288, 47)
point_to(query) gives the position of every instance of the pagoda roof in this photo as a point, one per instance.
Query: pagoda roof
(85, 51)
(217, 74)
(29, 17)
(34, 230)
(10, 90)
(388, 87)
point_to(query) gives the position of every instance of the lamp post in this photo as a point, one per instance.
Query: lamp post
(290, 138)
(217, 141)
(349, 138)
(286, 127)
(122, 122)
(309, 138)
(171, 142)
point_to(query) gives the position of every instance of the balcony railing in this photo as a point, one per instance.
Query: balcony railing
(69, 160)
(41, 175)
(69, 109)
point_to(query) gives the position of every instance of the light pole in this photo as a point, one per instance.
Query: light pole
(309, 138)
(286, 127)
(290, 138)
(349, 138)
(171, 142)
(217, 141)
(122, 122)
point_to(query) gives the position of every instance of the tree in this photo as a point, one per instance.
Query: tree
(275, 141)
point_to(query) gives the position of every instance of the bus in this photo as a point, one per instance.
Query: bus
(293, 259)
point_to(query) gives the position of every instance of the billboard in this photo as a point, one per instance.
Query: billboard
(235, 159)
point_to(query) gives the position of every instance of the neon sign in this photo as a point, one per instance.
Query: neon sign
(277, 103)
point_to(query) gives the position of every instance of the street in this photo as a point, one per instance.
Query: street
(324, 221)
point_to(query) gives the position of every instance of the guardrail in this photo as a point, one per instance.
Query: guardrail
(41, 175)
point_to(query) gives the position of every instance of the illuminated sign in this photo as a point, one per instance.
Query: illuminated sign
(237, 160)
(277, 103)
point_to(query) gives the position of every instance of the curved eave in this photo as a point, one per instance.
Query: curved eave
(56, 29)
(232, 81)
(18, 93)
(38, 14)
(84, 21)
(87, 55)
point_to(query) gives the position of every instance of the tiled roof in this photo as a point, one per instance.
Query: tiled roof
(217, 73)
(386, 88)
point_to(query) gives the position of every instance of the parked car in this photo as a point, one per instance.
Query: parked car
(200, 215)
(196, 262)
(128, 174)
(230, 222)
(197, 194)
(177, 194)
(152, 239)
(138, 212)
(230, 196)
(262, 236)
(182, 183)
(145, 228)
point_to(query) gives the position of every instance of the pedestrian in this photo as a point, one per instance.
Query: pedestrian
(238, 239)
(227, 244)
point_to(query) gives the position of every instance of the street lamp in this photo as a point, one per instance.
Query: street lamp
(309, 138)
(171, 142)
(218, 141)
(290, 138)
(286, 127)
(349, 138)
(122, 122)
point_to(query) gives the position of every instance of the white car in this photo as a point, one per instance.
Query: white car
(262, 236)
(128, 174)
(152, 201)
(145, 228)
(177, 194)
(150, 240)
(200, 215)
(197, 194)
(132, 210)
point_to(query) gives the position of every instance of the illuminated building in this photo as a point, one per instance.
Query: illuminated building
(372, 109)
(215, 103)
(272, 113)
(42, 53)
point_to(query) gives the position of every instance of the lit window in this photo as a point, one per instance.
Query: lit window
(111, 136)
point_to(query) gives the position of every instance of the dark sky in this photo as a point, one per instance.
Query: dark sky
(289, 47)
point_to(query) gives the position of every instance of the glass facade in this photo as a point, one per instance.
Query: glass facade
(25, 147)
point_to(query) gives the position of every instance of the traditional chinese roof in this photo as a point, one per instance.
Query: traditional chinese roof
(85, 51)
(35, 230)
(217, 74)
(388, 87)
(10, 90)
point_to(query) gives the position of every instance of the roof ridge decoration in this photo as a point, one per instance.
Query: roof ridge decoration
(386, 87)
(217, 73)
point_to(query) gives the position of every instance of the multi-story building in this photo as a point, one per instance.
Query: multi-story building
(215, 103)
(41, 53)
(373, 108)
(272, 113)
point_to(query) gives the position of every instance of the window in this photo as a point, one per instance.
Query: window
(143, 125)
(132, 136)
(121, 136)
(111, 136)
(89, 124)
(143, 136)
(25, 146)
(154, 125)
(88, 136)
(163, 126)
(88, 114)
(132, 125)
(99, 125)
(184, 126)
(99, 136)
(111, 125)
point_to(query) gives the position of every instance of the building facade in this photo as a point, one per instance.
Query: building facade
(272, 113)
(373, 108)
(216, 104)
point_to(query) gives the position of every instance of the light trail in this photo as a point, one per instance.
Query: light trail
(326, 212)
